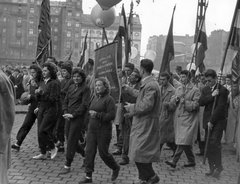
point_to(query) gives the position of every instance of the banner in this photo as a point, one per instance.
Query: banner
(106, 66)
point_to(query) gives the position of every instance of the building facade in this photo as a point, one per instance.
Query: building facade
(183, 52)
(19, 30)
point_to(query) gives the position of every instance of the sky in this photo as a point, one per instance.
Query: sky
(155, 16)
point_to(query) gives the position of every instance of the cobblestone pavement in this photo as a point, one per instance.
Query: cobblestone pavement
(25, 170)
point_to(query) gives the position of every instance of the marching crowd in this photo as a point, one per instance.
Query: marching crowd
(75, 113)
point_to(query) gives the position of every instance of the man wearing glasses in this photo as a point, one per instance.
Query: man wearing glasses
(214, 120)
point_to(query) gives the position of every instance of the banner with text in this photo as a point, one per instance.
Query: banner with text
(106, 66)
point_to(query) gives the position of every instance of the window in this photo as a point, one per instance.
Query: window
(30, 31)
(32, 1)
(55, 47)
(18, 42)
(30, 43)
(55, 29)
(56, 20)
(4, 40)
(19, 31)
(4, 30)
(31, 22)
(76, 45)
(77, 24)
(68, 45)
(4, 19)
(31, 10)
(69, 34)
(55, 38)
(76, 35)
(69, 13)
(19, 20)
(78, 14)
(69, 23)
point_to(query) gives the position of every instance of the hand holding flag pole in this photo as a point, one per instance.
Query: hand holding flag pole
(231, 36)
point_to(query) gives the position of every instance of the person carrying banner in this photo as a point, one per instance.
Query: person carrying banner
(144, 134)
(214, 120)
(186, 119)
(166, 112)
(7, 115)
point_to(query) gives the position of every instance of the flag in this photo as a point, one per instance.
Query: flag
(234, 45)
(120, 34)
(69, 56)
(44, 35)
(84, 48)
(201, 48)
(128, 34)
(168, 53)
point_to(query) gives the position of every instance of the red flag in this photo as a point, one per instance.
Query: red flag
(82, 58)
(168, 53)
(234, 45)
(44, 35)
(121, 33)
(128, 34)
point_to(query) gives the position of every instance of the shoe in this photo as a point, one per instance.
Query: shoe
(124, 162)
(200, 154)
(209, 173)
(153, 180)
(85, 180)
(117, 152)
(65, 170)
(15, 147)
(40, 157)
(54, 152)
(189, 165)
(115, 173)
(216, 173)
(171, 163)
(141, 182)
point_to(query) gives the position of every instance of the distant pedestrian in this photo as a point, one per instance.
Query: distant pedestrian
(7, 115)
(99, 134)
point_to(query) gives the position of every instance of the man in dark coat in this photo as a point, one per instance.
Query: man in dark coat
(214, 120)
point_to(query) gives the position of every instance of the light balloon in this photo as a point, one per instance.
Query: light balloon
(134, 52)
(193, 66)
(194, 45)
(150, 54)
(102, 18)
(106, 4)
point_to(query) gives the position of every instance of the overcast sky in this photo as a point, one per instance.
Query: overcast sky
(155, 16)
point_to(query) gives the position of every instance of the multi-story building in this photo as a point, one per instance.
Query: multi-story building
(19, 30)
(183, 54)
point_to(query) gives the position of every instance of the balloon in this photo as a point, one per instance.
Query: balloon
(193, 66)
(102, 18)
(150, 54)
(134, 52)
(106, 4)
(194, 45)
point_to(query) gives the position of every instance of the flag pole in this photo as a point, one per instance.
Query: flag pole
(220, 74)
(198, 36)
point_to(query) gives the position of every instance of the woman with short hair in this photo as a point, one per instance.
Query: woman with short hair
(99, 134)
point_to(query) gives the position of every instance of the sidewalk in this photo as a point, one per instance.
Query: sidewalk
(25, 170)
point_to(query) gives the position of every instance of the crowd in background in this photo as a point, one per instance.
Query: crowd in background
(75, 113)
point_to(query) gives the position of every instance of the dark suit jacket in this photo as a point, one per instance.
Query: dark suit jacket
(220, 111)
(18, 83)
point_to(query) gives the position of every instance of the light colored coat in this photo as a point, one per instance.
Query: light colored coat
(144, 137)
(166, 115)
(186, 115)
(7, 114)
